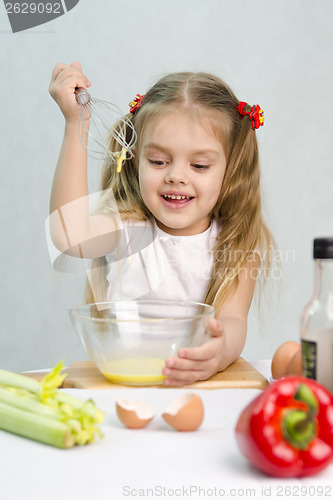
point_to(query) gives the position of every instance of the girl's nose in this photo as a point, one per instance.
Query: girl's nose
(176, 174)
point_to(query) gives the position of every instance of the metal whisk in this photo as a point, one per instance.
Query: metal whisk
(102, 117)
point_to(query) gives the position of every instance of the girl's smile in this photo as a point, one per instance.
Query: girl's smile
(176, 200)
(181, 170)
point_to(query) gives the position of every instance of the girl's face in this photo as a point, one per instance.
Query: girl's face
(181, 170)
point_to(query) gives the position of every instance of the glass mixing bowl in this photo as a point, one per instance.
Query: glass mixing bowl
(129, 341)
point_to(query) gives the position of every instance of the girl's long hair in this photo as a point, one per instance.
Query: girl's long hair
(238, 208)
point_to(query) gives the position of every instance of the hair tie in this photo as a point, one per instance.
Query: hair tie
(136, 103)
(256, 114)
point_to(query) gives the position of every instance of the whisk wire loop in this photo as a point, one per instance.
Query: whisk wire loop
(101, 115)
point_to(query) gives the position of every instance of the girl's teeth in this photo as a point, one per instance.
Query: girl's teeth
(173, 197)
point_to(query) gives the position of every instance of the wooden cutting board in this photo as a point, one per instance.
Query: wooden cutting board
(84, 375)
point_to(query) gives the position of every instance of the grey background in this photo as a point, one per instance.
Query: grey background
(277, 54)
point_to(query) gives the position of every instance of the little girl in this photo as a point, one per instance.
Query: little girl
(187, 205)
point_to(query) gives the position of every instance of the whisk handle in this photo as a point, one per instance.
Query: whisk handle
(82, 96)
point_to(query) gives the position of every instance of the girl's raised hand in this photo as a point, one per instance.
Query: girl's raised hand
(196, 363)
(65, 79)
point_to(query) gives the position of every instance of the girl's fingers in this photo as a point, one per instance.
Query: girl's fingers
(185, 371)
(201, 353)
(72, 82)
(72, 77)
(190, 363)
(64, 72)
(76, 65)
(207, 350)
(193, 364)
(179, 364)
(57, 69)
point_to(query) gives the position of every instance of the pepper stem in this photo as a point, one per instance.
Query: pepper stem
(298, 426)
(305, 394)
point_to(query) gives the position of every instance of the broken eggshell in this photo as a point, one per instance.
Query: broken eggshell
(134, 414)
(186, 413)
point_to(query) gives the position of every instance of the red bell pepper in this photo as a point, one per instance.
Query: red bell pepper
(287, 431)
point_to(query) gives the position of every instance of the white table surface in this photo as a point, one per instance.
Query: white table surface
(154, 462)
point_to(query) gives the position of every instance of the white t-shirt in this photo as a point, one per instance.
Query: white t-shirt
(151, 264)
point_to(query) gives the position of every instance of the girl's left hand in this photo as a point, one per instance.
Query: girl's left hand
(196, 363)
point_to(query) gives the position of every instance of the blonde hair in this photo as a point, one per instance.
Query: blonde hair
(238, 207)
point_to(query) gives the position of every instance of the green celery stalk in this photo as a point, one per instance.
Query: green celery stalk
(29, 406)
(40, 428)
(19, 381)
(46, 386)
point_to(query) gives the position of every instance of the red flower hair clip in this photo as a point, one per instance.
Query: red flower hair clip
(256, 114)
(136, 103)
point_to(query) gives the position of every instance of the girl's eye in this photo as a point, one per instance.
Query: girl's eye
(199, 167)
(158, 163)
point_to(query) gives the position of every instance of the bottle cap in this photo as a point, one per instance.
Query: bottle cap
(323, 248)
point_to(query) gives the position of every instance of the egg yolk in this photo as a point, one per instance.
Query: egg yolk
(135, 371)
